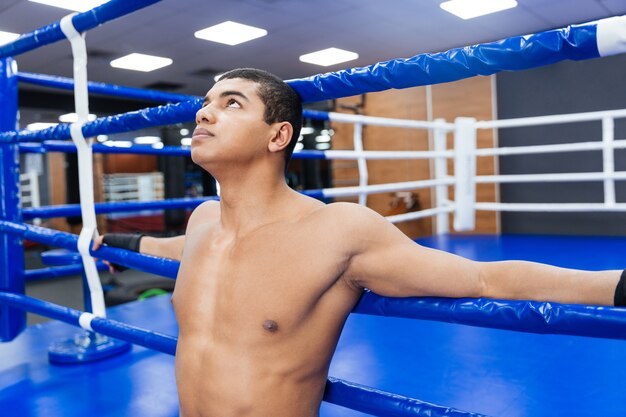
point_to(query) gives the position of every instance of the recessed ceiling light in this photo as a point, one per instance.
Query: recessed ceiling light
(73, 117)
(40, 126)
(230, 33)
(6, 37)
(75, 5)
(141, 62)
(468, 9)
(146, 140)
(329, 56)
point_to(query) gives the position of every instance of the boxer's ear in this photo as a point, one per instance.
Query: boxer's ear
(280, 136)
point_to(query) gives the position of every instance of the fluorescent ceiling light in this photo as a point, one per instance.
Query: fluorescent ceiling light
(322, 139)
(146, 140)
(299, 146)
(75, 5)
(141, 62)
(307, 130)
(322, 146)
(158, 145)
(185, 142)
(40, 126)
(230, 33)
(102, 138)
(184, 132)
(118, 143)
(468, 9)
(6, 37)
(330, 56)
(73, 117)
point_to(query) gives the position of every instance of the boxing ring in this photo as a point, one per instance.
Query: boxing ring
(486, 357)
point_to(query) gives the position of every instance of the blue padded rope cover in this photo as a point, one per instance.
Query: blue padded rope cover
(146, 263)
(521, 316)
(122, 331)
(82, 22)
(59, 271)
(524, 316)
(167, 114)
(339, 392)
(113, 90)
(380, 403)
(69, 147)
(153, 116)
(66, 210)
(575, 42)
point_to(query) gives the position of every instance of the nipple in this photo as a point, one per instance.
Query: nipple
(270, 326)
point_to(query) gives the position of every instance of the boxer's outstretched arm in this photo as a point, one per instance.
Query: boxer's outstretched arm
(164, 247)
(385, 261)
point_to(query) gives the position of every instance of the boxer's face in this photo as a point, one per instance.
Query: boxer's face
(230, 124)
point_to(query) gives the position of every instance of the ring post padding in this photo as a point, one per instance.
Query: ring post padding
(85, 165)
(464, 173)
(12, 321)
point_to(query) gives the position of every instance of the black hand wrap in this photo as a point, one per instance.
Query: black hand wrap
(620, 291)
(128, 241)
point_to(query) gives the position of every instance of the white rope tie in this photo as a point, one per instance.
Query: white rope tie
(85, 165)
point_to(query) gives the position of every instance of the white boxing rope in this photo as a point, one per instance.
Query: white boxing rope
(566, 177)
(384, 188)
(551, 207)
(440, 139)
(383, 121)
(388, 155)
(611, 36)
(561, 147)
(85, 165)
(551, 119)
(608, 159)
(414, 215)
(361, 162)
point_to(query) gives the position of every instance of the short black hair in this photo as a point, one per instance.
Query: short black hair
(282, 103)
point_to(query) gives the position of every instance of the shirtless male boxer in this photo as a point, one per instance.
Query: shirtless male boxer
(268, 276)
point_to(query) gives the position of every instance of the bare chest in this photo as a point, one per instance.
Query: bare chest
(267, 284)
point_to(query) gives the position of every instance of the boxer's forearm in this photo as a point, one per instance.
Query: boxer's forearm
(170, 247)
(532, 281)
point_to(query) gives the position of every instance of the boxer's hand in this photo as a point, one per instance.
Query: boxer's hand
(127, 241)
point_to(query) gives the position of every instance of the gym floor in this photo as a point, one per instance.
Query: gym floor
(494, 372)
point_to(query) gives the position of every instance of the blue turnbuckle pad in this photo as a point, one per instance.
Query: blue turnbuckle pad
(86, 347)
